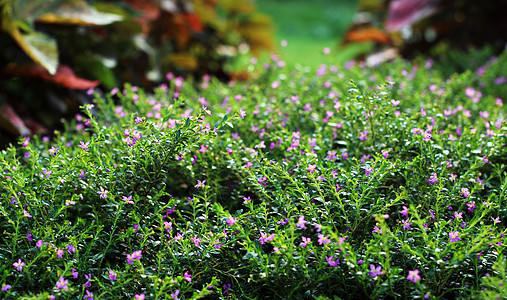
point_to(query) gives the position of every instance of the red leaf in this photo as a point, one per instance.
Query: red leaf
(11, 122)
(193, 21)
(64, 76)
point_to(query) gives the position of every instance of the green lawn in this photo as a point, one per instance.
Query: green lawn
(310, 26)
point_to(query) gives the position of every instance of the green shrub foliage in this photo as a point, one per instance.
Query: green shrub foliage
(344, 182)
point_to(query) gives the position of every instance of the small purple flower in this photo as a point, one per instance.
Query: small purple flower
(332, 262)
(375, 271)
(59, 253)
(265, 238)
(112, 275)
(413, 276)
(103, 193)
(377, 230)
(345, 155)
(188, 277)
(305, 242)
(433, 179)
(231, 221)
(134, 255)
(75, 274)
(385, 153)
(26, 142)
(471, 206)
(368, 170)
(62, 284)
(19, 265)
(465, 192)
(84, 146)
(301, 222)
(406, 224)
(88, 284)
(196, 241)
(404, 212)
(311, 168)
(363, 135)
(454, 237)
(175, 295)
(200, 184)
(139, 296)
(89, 295)
(323, 240)
(6, 287)
(53, 151)
(127, 199)
(70, 248)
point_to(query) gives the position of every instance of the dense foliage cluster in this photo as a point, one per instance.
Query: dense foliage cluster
(347, 182)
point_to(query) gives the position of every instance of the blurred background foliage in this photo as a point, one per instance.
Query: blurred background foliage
(53, 51)
(61, 48)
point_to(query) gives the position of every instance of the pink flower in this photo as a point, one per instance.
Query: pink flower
(301, 222)
(188, 277)
(19, 265)
(404, 212)
(465, 192)
(200, 184)
(332, 262)
(231, 221)
(363, 135)
(62, 284)
(305, 242)
(368, 170)
(413, 276)
(406, 224)
(433, 179)
(454, 236)
(103, 193)
(323, 239)
(139, 296)
(265, 238)
(134, 255)
(112, 275)
(375, 271)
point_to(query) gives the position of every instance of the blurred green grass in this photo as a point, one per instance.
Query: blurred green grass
(309, 26)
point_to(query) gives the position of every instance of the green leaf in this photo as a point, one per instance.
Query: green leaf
(78, 12)
(94, 66)
(39, 47)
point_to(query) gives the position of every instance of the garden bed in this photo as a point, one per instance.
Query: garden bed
(348, 182)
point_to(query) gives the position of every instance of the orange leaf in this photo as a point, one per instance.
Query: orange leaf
(369, 34)
(64, 76)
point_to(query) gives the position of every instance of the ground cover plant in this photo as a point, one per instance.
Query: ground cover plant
(347, 182)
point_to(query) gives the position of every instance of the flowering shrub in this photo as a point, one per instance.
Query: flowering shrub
(349, 182)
